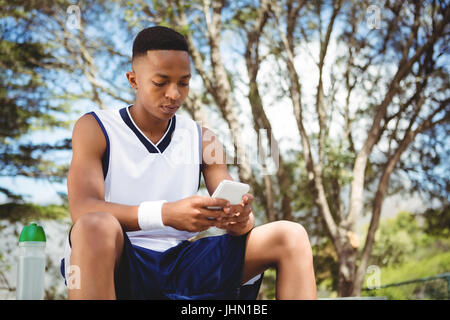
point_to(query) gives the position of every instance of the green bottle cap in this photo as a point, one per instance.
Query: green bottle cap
(32, 232)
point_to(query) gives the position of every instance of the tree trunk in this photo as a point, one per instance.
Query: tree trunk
(345, 278)
(347, 255)
(260, 121)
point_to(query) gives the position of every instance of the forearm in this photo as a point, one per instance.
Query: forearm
(125, 214)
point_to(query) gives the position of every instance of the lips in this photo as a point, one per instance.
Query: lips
(170, 108)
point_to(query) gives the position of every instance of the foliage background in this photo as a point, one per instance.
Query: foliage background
(52, 72)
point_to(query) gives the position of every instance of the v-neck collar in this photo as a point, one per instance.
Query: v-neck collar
(161, 145)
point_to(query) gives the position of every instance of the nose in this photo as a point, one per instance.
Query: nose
(172, 92)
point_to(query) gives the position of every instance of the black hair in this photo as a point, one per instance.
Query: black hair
(158, 38)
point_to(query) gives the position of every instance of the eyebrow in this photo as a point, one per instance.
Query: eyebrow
(167, 77)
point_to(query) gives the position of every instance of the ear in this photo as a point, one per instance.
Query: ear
(131, 76)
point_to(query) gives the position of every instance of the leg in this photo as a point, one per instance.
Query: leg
(97, 243)
(285, 246)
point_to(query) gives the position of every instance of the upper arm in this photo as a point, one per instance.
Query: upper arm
(85, 178)
(213, 160)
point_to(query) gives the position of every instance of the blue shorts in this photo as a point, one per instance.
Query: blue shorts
(208, 268)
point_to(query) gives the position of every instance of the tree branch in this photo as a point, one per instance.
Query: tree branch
(260, 120)
(219, 87)
(389, 167)
(314, 176)
(357, 187)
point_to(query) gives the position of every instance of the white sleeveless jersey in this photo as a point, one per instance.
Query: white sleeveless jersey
(137, 170)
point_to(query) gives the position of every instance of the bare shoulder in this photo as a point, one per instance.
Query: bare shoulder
(88, 136)
(87, 122)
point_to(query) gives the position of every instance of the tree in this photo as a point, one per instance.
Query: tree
(25, 64)
(35, 95)
(399, 105)
(437, 221)
(396, 239)
(49, 62)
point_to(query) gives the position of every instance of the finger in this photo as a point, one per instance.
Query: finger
(225, 225)
(230, 225)
(239, 211)
(214, 202)
(247, 199)
(235, 213)
(229, 211)
(241, 219)
(238, 218)
(221, 225)
(201, 224)
(247, 209)
(233, 209)
(207, 213)
(209, 222)
(228, 221)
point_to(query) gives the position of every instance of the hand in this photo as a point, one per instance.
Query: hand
(190, 214)
(237, 219)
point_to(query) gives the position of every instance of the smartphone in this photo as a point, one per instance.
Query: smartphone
(231, 191)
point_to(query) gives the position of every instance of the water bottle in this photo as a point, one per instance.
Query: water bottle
(31, 264)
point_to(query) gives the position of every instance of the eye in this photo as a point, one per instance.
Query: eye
(159, 84)
(184, 84)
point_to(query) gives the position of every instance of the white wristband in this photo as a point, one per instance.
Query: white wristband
(149, 215)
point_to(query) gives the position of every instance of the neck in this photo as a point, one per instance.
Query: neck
(146, 121)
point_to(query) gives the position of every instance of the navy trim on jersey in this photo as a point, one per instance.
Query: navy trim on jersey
(200, 151)
(105, 157)
(164, 143)
(161, 146)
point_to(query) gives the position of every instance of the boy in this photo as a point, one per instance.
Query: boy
(134, 207)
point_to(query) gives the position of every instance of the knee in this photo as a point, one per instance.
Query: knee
(99, 231)
(293, 239)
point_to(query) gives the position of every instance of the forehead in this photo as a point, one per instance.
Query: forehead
(168, 62)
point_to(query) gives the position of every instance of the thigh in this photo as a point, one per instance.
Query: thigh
(262, 250)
